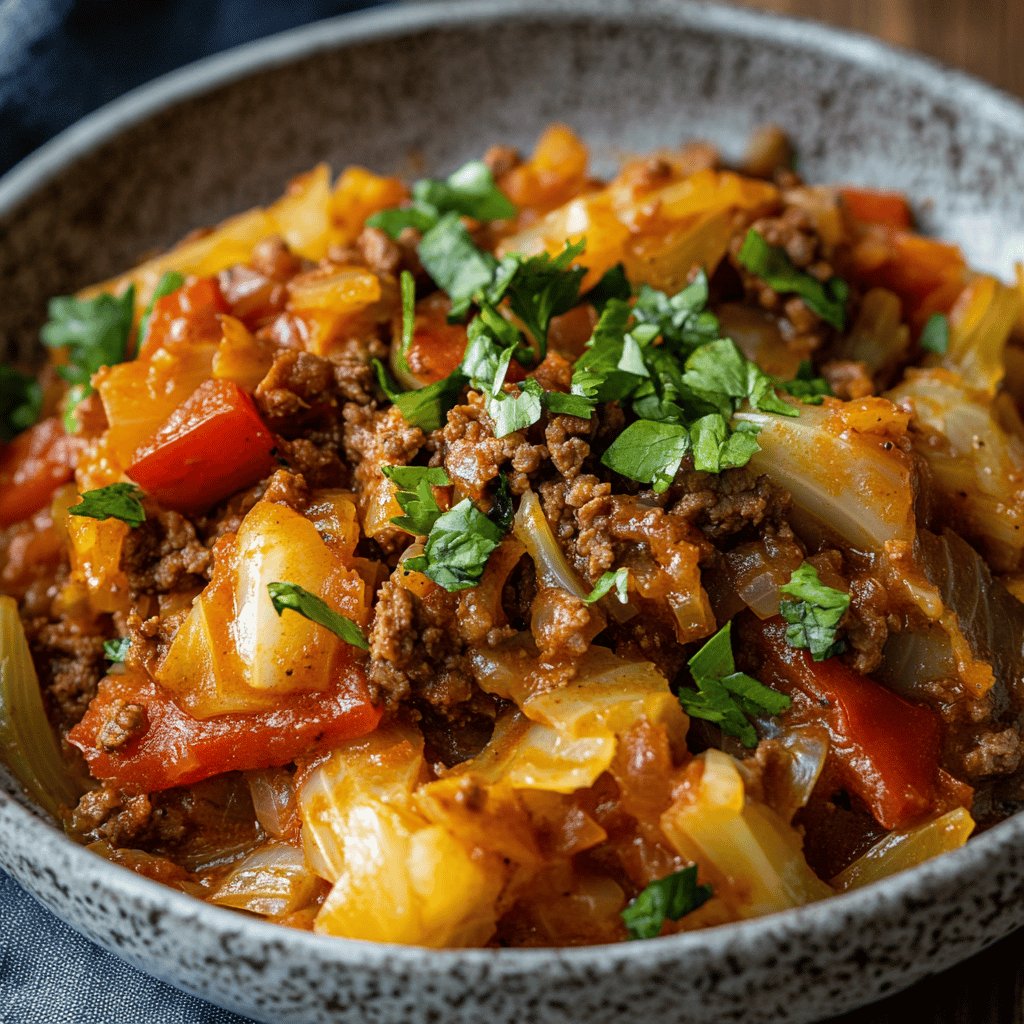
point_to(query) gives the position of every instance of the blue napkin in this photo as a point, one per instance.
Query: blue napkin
(60, 59)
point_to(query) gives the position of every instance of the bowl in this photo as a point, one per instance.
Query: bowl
(425, 87)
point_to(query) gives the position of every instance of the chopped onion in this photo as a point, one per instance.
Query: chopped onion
(273, 880)
(30, 749)
(532, 530)
(273, 799)
(807, 748)
(901, 850)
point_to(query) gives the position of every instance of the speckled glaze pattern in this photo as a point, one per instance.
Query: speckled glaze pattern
(425, 87)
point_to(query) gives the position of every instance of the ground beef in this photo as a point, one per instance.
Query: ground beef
(866, 624)
(793, 229)
(848, 378)
(153, 821)
(725, 504)
(164, 554)
(297, 384)
(68, 656)
(562, 625)
(122, 723)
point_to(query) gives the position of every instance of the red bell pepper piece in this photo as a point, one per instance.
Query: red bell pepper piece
(188, 314)
(33, 466)
(872, 206)
(211, 446)
(885, 749)
(174, 749)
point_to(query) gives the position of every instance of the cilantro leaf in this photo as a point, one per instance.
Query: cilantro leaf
(560, 403)
(805, 385)
(668, 898)
(773, 266)
(725, 696)
(649, 452)
(21, 402)
(415, 497)
(458, 547)
(605, 371)
(454, 262)
(394, 221)
(515, 412)
(95, 333)
(469, 191)
(617, 580)
(115, 501)
(170, 281)
(539, 288)
(115, 651)
(815, 615)
(935, 335)
(722, 378)
(292, 597)
(716, 447)
(613, 284)
(682, 319)
(426, 407)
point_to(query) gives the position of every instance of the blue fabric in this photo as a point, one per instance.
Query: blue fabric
(60, 59)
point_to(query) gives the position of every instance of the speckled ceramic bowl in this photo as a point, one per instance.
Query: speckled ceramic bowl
(435, 84)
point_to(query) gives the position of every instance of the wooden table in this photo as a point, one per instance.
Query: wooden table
(986, 38)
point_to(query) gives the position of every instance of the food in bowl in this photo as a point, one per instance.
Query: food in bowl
(523, 559)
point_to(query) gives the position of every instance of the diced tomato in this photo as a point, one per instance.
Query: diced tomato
(189, 313)
(174, 749)
(874, 207)
(437, 346)
(885, 749)
(33, 466)
(213, 444)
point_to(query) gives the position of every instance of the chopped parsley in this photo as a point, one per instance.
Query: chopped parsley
(935, 335)
(458, 546)
(115, 651)
(169, 282)
(665, 899)
(454, 262)
(415, 496)
(716, 447)
(722, 378)
(725, 696)
(811, 390)
(115, 501)
(470, 191)
(617, 580)
(95, 333)
(613, 284)
(21, 402)
(774, 267)
(682, 319)
(649, 452)
(814, 615)
(426, 407)
(539, 288)
(292, 597)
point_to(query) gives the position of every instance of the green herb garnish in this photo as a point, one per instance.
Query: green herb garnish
(774, 267)
(935, 335)
(649, 452)
(617, 580)
(292, 597)
(115, 501)
(725, 696)
(415, 496)
(457, 548)
(115, 651)
(815, 615)
(95, 333)
(666, 899)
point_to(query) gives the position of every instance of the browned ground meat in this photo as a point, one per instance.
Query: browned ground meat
(164, 554)
(69, 658)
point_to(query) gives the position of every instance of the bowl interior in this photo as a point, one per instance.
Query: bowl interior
(420, 89)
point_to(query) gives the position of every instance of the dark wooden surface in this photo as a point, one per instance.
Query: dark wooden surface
(986, 38)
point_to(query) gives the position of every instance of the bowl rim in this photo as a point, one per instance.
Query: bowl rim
(843, 911)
